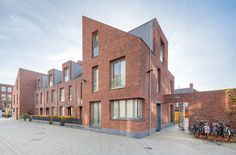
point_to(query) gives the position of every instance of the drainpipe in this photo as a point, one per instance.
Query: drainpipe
(150, 81)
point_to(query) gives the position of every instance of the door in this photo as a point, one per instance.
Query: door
(95, 115)
(158, 117)
(171, 113)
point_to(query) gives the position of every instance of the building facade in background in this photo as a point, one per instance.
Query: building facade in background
(120, 90)
(6, 98)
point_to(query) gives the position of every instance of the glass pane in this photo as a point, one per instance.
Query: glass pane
(122, 76)
(115, 109)
(95, 79)
(95, 44)
(140, 109)
(122, 108)
(116, 74)
(135, 108)
(130, 110)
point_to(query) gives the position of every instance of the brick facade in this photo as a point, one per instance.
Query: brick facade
(5, 96)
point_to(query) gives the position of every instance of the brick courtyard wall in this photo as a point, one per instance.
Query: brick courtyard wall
(208, 105)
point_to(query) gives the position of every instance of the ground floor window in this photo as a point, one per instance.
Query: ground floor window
(70, 111)
(95, 114)
(47, 111)
(126, 109)
(41, 111)
(62, 111)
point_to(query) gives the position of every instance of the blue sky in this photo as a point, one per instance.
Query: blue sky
(40, 35)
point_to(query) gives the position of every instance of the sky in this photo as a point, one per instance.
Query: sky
(41, 35)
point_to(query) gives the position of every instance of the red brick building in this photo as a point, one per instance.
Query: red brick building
(122, 87)
(5, 96)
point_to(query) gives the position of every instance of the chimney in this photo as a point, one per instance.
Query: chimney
(79, 62)
(191, 85)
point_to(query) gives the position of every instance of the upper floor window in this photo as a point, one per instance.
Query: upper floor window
(53, 96)
(162, 47)
(95, 44)
(38, 84)
(171, 87)
(47, 97)
(70, 93)
(37, 98)
(50, 80)
(3, 97)
(3, 88)
(158, 80)
(118, 73)
(66, 74)
(9, 89)
(95, 79)
(9, 98)
(62, 94)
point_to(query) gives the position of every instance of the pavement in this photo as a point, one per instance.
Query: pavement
(30, 138)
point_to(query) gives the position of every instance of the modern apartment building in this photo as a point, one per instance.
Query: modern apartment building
(121, 88)
(6, 96)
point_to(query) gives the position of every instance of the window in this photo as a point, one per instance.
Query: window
(126, 109)
(47, 97)
(3, 97)
(9, 89)
(14, 98)
(118, 73)
(66, 74)
(95, 111)
(158, 80)
(9, 97)
(38, 84)
(70, 111)
(95, 79)
(171, 87)
(62, 94)
(53, 96)
(50, 80)
(95, 44)
(70, 93)
(62, 110)
(41, 98)
(47, 111)
(162, 52)
(3, 89)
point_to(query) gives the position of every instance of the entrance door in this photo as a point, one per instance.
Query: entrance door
(95, 109)
(171, 113)
(158, 117)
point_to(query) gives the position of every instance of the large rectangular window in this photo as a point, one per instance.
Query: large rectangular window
(62, 94)
(50, 80)
(126, 109)
(95, 44)
(172, 89)
(3, 96)
(95, 114)
(66, 74)
(9, 89)
(95, 79)
(3, 88)
(118, 72)
(47, 97)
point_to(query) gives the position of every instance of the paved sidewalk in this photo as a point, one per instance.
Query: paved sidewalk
(25, 138)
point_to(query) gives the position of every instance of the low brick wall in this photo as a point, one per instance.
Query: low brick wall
(207, 105)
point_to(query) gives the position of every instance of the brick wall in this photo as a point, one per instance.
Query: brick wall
(208, 105)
